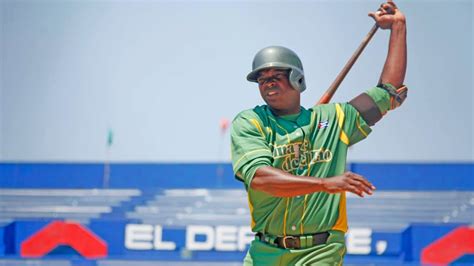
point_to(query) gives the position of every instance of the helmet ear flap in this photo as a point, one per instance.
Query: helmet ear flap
(297, 81)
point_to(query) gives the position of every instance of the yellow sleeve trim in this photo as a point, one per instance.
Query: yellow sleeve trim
(257, 125)
(340, 115)
(340, 122)
(245, 155)
(344, 138)
(360, 128)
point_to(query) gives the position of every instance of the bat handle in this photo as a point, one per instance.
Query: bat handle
(332, 89)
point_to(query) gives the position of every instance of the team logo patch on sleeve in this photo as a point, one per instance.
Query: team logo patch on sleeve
(323, 124)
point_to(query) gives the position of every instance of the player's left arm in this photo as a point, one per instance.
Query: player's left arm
(390, 91)
(396, 62)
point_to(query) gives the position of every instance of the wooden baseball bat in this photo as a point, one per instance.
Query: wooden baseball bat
(332, 89)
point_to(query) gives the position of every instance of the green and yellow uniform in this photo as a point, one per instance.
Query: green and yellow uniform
(312, 143)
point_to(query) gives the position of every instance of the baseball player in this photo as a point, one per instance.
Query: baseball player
(292, 160)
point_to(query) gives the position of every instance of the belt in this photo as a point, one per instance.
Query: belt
(295, 242)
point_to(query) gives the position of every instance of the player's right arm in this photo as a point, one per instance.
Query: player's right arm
(252, 163)
(279, 183)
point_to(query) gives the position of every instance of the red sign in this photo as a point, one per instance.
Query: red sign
(450, 247)
(72, 234)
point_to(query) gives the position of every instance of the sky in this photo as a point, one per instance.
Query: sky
(161, 75)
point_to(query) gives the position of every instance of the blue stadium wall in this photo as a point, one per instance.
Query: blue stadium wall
(403, 248)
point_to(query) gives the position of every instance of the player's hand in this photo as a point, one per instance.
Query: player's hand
(387, 15)
(350, 182)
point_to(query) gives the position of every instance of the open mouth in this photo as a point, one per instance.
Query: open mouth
(273, 91)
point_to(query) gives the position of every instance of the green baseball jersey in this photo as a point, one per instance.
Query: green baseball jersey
(312, 143)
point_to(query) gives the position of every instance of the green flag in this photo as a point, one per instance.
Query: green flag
(110, 138)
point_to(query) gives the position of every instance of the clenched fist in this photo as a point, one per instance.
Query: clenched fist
(387, 15)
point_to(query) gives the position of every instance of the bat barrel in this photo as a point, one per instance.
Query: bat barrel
(332, 89)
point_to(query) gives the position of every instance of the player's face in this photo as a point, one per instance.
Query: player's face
(277, 92)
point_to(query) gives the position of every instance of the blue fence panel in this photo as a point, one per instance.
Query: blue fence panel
(386, 176)
(422, 176)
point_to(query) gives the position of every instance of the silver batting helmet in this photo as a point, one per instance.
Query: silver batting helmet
(279, 57)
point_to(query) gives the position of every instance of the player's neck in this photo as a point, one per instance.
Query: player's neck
(284, 112)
